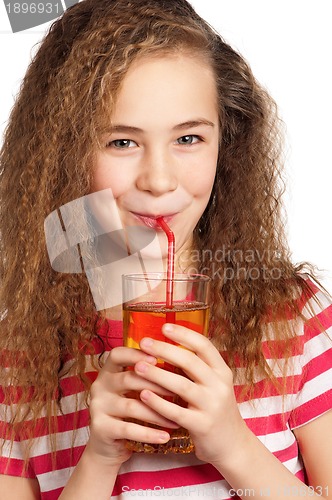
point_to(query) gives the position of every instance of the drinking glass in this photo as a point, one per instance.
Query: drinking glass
(145, 311)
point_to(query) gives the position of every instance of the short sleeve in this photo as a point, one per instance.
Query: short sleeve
(314, 396)
(12, 452)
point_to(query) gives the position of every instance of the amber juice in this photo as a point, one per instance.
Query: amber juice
(145, 319)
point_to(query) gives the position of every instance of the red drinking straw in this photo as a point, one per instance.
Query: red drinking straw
(170, 260)
(170, 317)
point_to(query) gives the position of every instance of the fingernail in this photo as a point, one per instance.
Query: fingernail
(141, 367)
(150, 359)
(164, 436)
(168, 327)
(145, 394)
(147, 342)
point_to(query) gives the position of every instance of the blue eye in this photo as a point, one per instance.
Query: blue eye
(122, 144)
(187, 140)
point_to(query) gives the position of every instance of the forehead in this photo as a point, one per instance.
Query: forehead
(167, 87)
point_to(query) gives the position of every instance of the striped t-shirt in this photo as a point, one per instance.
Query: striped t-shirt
(271, 418)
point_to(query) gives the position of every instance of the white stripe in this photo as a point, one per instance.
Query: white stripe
(42, 445)
(144, 462)
(278, 441)
(294, 465)
(318, 344)
(314, 347)
(272, 405)
(266, 407)
(213, 490)
(15, 451)
(295, 325)
(292, 367)
(312, 307)
(63, 441)
(315, 387)
(55, 479)
(68, 405)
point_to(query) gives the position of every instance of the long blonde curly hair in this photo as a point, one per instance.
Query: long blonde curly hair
(64, 104)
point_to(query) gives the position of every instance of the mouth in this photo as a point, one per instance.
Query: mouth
(151, 220)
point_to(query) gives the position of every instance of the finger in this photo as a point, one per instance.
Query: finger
(134, 409)
(194, 341)
(171, 411)
(188, 390)
(129, 381)
(143, 434)
(194, 367)
(121, 357)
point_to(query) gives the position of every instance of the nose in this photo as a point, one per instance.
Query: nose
(157, 173)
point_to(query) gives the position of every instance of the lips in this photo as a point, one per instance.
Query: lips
(151, 220)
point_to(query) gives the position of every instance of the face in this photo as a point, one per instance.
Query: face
(159, 156)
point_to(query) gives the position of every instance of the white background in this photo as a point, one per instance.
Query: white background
(288, 44)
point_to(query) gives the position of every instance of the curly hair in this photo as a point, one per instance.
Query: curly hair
(65, 102)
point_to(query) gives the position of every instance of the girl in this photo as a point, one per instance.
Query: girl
(143, 98)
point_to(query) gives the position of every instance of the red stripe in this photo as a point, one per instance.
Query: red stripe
(276, 349)
(14, 467)
(318, 365)
(69, 457)
(292, 384)
(300, 475)
(307, 294)
(10, 358)
(265, 388)
(42, 464)
(311, 409)
(170, 478)
(322, 321)
(288, 453)
(73, 385)
(261, 426)
(54, 494)
(69, 385)
(68, 422)
(286, 311)
(15, 393)
(51, 495)
(96, 347)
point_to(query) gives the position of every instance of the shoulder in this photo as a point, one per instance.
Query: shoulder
(315, 306)
(314, 381)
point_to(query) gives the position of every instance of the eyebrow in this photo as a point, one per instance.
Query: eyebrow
(180, 126)
(193, 124)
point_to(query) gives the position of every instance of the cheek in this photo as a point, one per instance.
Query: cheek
(201, 179)
(105, 177)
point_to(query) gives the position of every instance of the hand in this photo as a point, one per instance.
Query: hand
(109, 406)
(212, 416)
